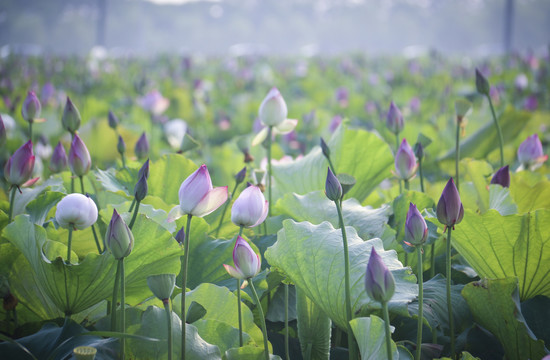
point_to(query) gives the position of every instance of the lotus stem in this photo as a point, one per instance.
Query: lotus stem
(420, 303)
(115, 293)
(287, 351)
(122, 306)
(457, 150)
(123, 160)
(449, 303)
(406, 184)
(432, 261)
(420, 173)
(12, 201)
(262, 319)
(69, 244)
(269, 136)
(184, 283)
(134, 216)
(93, 227)
(169, 322)
(387, 327)
(225, 209)
(239, 302)
(500, 139)
(132, 205)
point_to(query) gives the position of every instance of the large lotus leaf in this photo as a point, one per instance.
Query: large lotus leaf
(355, 152)
(39, 208)
(154, 324)
(495, 306)
(313, 328)
(29, 194)
(485, 140)
(312, 257)
(530, 191)
(74, 288)
(475, 173)
(248, 353)
(221, 305)
(499, 246)
(371, 338)
(315, 207)
(222, 334)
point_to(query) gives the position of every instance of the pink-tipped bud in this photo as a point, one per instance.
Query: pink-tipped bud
(79, 157)
(379, 281)
(394, 119)
(405, 161)
(247, 262)
(502, 177)
(250, 208)
(530, 153)
(59, 159)
(19, 167)
(416, 230)
(198, 197)
(273, 110)
(31, 107)
(142, 147)
(449, 208)
(119, 238)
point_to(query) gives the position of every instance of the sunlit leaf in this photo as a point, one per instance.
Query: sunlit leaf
(371, 338)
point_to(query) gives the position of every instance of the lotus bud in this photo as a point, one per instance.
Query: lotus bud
(76, 211)
(502, 177)
(113, 120)
(273, 110)
(241, 175)
(71, 117)
(462, 108)
(325, 149)
(449, 208)
(530, 152)
(31, 107)
(247, 262)
(2, 133)
(416, 230)
(180, 236)
(250, 208)
(144, 170)
(333, 188)
(405, 161)
(121, 145)
(379, 281)
(119, 238)
(419, 150)
(59, 161)
(482, 84)
(79, 157)
(20, 165)
(394, 119)
(198, 197)
(140, 190)
(162, 285)
(142, 147)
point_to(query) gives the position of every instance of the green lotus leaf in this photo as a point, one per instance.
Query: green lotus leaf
(314, 328)
(371, 338)
(530, 191)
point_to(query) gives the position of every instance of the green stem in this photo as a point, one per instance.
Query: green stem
(351, 344)
(432, 261)
(184, 284)
(449, 303)
(421, 176)
(387, 326)
(500, 139)
(169, 321)
(457, 151)
(122, 306)
(262, 319)
(420, 303)
(406, 184)
(239, 301)
(331, 166)
(69, 244)
(114, 303)
(225, 209)
(30, 130)
(12, 201)
(406, 259)
(72, 184)
(135, 215)
(123, 160)
(82, 185)
(287, 347)
(269, 132)
(93, 227)
(132, 205)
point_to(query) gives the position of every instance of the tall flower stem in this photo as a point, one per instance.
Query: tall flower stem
(123, 161)
(115, 293)
(134, 216)
(449, 303)
(406, 184)
(262, 318)
(420, 173)
(239, 303)
(432, 261)
(12, 201)
(225, 209)
(500, 138)
(287, 346)
(132, 205)
(420, 303)
(331, 165)
(169, 322)
(30, 130)
(396, 150)
(387, 326)
(457, 150)
(122, 306)
(351, 343)
(184, 283)
(69, 244)
(93, 227)
(269, 136)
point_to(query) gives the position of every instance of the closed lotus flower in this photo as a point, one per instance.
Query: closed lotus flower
(379, 281)
(142, 147)
(502, 177)
(416, 230)
(76, 211)
(247, 262)
(31, 107)
(59, 160)
(119, 238)
(405, 161)
(71, 117)
(19, 167)
(394, 119)
(250, 208)
(530, 152)
(273, 110)
(79, 157)
(449, 208)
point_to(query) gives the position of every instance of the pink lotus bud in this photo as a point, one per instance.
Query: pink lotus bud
(405, 161)
(31, 107)
(530, 152)
(394, 120)
(449, 208)
(142, 147)
(59, 160)
(19, 167)
(154, 102)
(79, 157)
(76, 211)
(198, 197)
(247, 262)
(273, 110)
(416, 230)
(379, 281)
(250, 208)
(119, 238)
(502, 177)
(333, 188)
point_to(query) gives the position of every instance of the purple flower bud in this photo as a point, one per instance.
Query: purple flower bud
(530, 103)
(333, 188)
(250, 208)
(241, 175)
(59, 160)
(502, 177)
(180, 236)
(71, 117)
(142, 147)
(79, 157)
(76, 211)
(144, 170)
(119, 238)
(394, 120)
(141, 188)
(449, 208)
(416, 230)
(247, 262)
(482, 84)
(325, 149)
(342, 96)
(113, 120)
(530, 152)
(19, 167)
(2, 133)
(47, 93)
(121, 145)
(198, 197)
(31, 107)
(379, 281)
(154, 102)
(405, 161)
(419, 150)
(273, 110)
